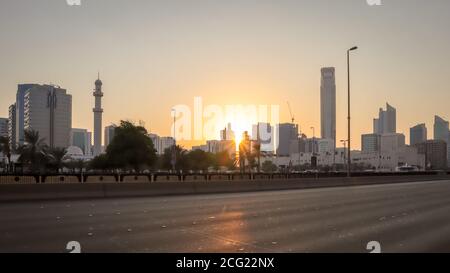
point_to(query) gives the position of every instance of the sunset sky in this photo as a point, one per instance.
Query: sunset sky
(153, 55)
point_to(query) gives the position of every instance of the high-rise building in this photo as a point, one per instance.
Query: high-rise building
(227, 133)
(370, 143)
(166, 143)
(441, 128)
(386, 122)
(286, 132)
(435, 152)
(263, 133)
(328, 104)
(12, 127)
(98, 113)
(82, 139)
(4, 127)
(417, 134)
(109, 134)
(20, 111)
(48, 110)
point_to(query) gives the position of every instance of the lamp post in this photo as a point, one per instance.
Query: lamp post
(174, 147)
(344, 142)
(349, 163)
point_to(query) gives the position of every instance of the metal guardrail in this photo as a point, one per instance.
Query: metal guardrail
(170, 177)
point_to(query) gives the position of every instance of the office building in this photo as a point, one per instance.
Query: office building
(12, 127)
(48, 110)
(3, 127)
(386, 123)
(109, 134)
(328, 104)
(392, 142)
(417, 134)
(370, 143)
(435, 152)
(286, 133)
(20, 111)
(82, 139)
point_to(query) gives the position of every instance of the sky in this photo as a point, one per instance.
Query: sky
(153, 55)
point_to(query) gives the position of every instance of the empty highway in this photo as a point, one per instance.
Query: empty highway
(411, 217)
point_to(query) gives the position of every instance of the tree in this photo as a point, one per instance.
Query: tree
(5, 149)
(56, 158)
(257, 154)
(131, 148)
(269, 167)
(33, 151)
(180, 155)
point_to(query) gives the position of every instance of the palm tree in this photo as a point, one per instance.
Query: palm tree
(257, 154)
(56, 156)
(5, 149)
(33, 151)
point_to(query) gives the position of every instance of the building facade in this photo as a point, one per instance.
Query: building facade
(12, 127)
(418, 134)
(286, 133)
(4, 127)
(109, 134)
(370, 143)
(386, 123)
(328, 104)
(48, 110)
(435, 152)
(82, 139)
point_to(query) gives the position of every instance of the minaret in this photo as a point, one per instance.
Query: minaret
(98, 112)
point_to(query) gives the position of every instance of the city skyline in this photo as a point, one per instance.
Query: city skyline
(271, 58)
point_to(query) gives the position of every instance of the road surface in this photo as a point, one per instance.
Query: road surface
(412, 217)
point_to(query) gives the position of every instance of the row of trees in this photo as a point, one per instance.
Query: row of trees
(35, 155)
(132, 150)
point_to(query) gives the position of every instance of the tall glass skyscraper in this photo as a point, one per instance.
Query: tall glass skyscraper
(328, 104)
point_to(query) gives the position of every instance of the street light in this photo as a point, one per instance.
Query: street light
(174, 147)
(349, 128)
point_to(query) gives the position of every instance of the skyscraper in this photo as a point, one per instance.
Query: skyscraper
(98, 113)
(441, 128)
(287, 132)
(4, 127)
(328, 103)
(82, 139)
(386, 122)
(418, 134)
(12, 127)
(20, 111)
(48, 110)
(109, 134)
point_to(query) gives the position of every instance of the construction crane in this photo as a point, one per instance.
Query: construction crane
(290, 112)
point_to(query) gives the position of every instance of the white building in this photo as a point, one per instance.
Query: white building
(48, 110)
(162, 143)
(392, 142)
(325, 146)
(328, 104)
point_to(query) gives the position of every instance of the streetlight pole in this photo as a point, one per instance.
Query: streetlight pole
(349, 128)
(174, 147)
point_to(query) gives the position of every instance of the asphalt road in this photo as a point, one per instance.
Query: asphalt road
(412, 217)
